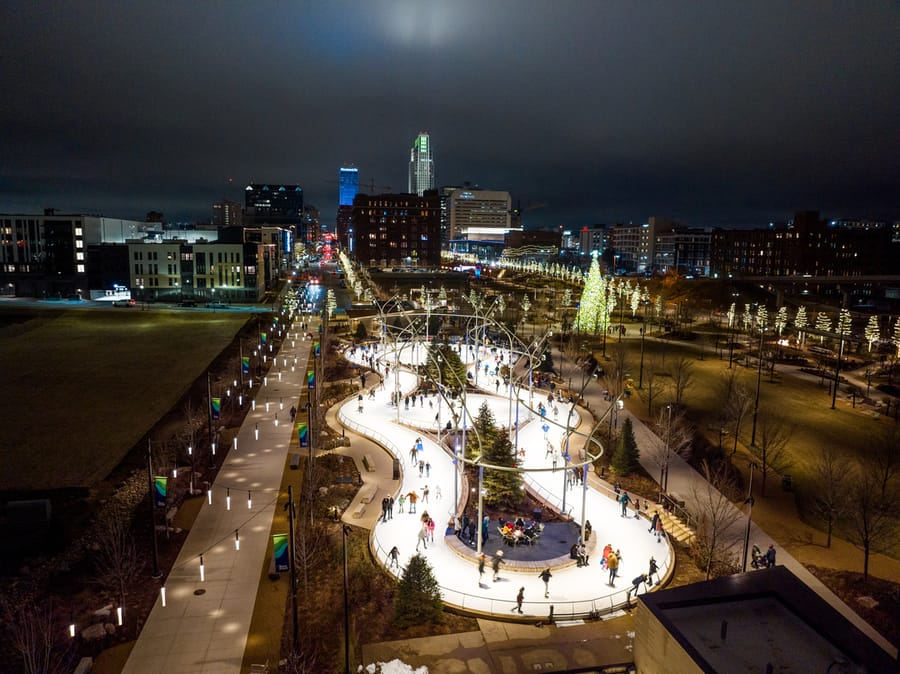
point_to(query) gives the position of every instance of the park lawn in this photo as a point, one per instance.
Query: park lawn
(804, 405)
(80, 388)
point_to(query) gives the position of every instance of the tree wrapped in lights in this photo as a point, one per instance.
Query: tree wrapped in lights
(592, 311)
(895, 339)
(731, 315)
(873, 331)
(800, 322)
(747, 318)
(843, 327)
(823, 324)
(781, 320)
(762, 317)
(635, 299)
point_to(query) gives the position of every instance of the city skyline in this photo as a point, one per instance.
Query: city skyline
(709, 114)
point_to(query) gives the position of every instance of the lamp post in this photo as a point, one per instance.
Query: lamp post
(643, 332)
(664, 471)
(749, 502)
(156, 572)
(345, 531)
(762, 331)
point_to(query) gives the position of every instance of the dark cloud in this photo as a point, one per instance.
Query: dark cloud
(714, 113)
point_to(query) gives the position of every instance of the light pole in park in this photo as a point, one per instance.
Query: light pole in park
(644, 304)
(664, 470)
(749, 502)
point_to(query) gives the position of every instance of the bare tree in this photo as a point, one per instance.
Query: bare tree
(117, 562)
(35, 636)
(655, 382)
(871, 511)
(715, 514)
(682, 377)
(735, 399)
(829, 492)
(771, 447)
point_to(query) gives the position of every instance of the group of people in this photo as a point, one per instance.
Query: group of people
(520, 530)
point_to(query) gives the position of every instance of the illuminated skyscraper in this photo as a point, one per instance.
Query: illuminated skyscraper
(421, 165)
(349, 185)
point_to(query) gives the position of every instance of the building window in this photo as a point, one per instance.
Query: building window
(79, 268)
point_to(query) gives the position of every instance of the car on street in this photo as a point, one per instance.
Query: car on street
(124, 303)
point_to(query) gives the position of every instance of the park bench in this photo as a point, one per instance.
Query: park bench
(367, 493)
(359, 510)
(368, 463)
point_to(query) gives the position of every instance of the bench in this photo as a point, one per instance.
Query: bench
(368, 463)
(295, 461)
(359, 510)
(344, 479)
(367, 493)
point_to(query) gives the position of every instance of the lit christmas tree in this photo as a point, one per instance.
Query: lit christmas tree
(800, 322)
(873, 331)
(592, 308)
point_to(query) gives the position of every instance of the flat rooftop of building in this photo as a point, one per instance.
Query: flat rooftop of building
(767, 617)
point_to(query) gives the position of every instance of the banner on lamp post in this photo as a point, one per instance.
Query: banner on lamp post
(317, 349)
(263, 338)
(159, 490)
(215, 404)
(282, 556)
(303, 434)
(311, 379)
(245, 364)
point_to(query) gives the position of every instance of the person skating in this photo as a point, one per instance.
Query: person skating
(653, 570)
(481, 561)
(519, 599)
(413, 497)
(422, 537)
(612, 563)
(496, 562)
(624, 500)
(394, 556)
(653, 522)
(545, 576)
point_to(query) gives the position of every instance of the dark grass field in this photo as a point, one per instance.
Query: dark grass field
(80, 388)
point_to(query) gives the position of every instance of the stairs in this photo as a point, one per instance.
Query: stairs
(674, 526)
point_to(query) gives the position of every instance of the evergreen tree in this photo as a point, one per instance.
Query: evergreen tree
(502, 487)
(592, 307)
(418, 595)
(873, 330)
(443, 366)
(625, 456)
(361, 332)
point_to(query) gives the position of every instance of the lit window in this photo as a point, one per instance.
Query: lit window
(79, 256)
(79, 243)
(80, 268)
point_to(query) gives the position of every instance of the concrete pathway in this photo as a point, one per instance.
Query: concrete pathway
(204, 625)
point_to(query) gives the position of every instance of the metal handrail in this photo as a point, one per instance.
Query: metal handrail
(572, 610)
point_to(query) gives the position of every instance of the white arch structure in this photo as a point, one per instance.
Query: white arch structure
(574, 592)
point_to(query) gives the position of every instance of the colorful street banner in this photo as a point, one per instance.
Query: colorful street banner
(262, 337)
(159, 491)
(245, 364)
(311, 378)
(317, 349)
(282, 556)
(303, 434)
(216, 406)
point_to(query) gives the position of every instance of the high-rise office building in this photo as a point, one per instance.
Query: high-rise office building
(279, 205)
(480, 215)
(421, 165)
(349, 185)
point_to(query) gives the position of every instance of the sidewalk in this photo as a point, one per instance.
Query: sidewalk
(204, 626)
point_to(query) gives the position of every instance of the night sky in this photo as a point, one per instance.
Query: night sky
(713, 113)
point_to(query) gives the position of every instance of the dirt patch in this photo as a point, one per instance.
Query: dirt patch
(851, 588)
